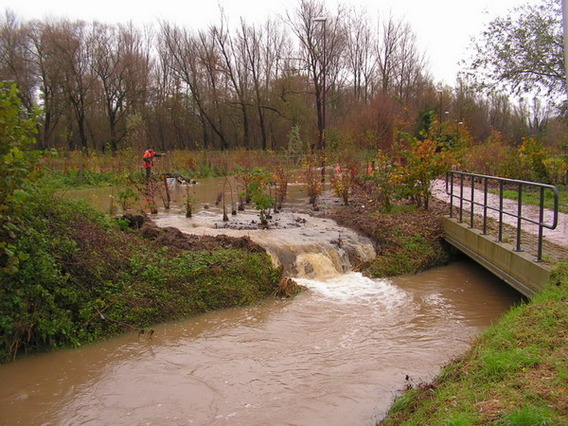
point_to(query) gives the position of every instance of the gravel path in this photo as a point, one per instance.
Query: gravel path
(558, 236)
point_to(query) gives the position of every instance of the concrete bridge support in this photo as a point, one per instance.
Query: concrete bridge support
(517, 269)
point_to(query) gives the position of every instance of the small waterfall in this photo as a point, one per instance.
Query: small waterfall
(319, 261)
(305, 246)
(320, 265)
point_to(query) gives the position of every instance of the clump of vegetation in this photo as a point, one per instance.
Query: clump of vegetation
(312, 178)
(85, 277)
(244, 177)
(127, 197)
(258, 190)
(514, 374)
(255, 185)
(384, 178)
(409, 175)
(281, 175)
(16, 169)
(425, 161)
(296, 146)
(530, 161)
(344, 179)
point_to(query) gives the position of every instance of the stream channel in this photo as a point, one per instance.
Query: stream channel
(337, 354)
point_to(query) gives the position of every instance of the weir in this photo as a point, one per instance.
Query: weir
(304, 246)
(524, 272)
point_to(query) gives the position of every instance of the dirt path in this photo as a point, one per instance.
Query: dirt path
(558, 236)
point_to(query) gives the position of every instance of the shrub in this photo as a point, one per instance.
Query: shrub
(16, 168)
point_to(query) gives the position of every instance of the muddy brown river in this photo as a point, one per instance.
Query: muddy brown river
(335, 355)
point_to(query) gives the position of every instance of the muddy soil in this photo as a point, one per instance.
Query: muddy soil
(362, 215)
(175, 239)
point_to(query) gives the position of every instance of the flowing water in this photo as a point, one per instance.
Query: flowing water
(336, 354)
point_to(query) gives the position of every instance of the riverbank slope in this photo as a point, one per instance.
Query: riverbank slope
(515, 373)
(407, 239)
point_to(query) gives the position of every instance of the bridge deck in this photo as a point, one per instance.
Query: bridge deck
(558, 236)
(478, 209)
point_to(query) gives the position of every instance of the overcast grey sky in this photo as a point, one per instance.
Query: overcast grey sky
(443, 27)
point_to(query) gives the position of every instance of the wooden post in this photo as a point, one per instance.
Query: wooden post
(168, 199)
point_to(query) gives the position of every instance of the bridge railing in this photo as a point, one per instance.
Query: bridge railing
(461, 187)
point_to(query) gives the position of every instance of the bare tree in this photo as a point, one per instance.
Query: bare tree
(409, 66)
(195, 63)
(261, 50)
(312, 36)
(15, 63)
(54, 101)
(224, 87)
(251, 45)
(233, 52)
(119, 62)
(361, 61)
(214, 84)
(388, 42)
(72, 50)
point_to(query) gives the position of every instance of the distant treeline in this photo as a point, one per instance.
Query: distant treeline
(108, 87)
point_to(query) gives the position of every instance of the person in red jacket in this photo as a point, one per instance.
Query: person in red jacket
(149, 160)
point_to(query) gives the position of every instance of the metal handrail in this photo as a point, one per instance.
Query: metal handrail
(484, 180)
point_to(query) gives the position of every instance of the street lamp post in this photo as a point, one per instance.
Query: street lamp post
(565, 39)
(441, 92)
(323, 19)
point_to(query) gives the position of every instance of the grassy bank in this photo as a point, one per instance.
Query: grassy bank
(515, 373)
(83, 276)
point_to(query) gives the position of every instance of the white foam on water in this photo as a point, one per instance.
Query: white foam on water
(354, 287)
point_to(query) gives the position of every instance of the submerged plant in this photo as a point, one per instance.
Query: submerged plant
(189, 200)
(313, 181)
(127, 197)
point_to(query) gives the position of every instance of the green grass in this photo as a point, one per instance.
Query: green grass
(410, 254)
(515, 374)
(533, 198)
(408, 239)
(74, 179)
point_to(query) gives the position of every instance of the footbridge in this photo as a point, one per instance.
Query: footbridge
(494, 231)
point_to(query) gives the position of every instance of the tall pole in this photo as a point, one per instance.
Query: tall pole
(441, 92)
(324, 96)
(565, 28)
